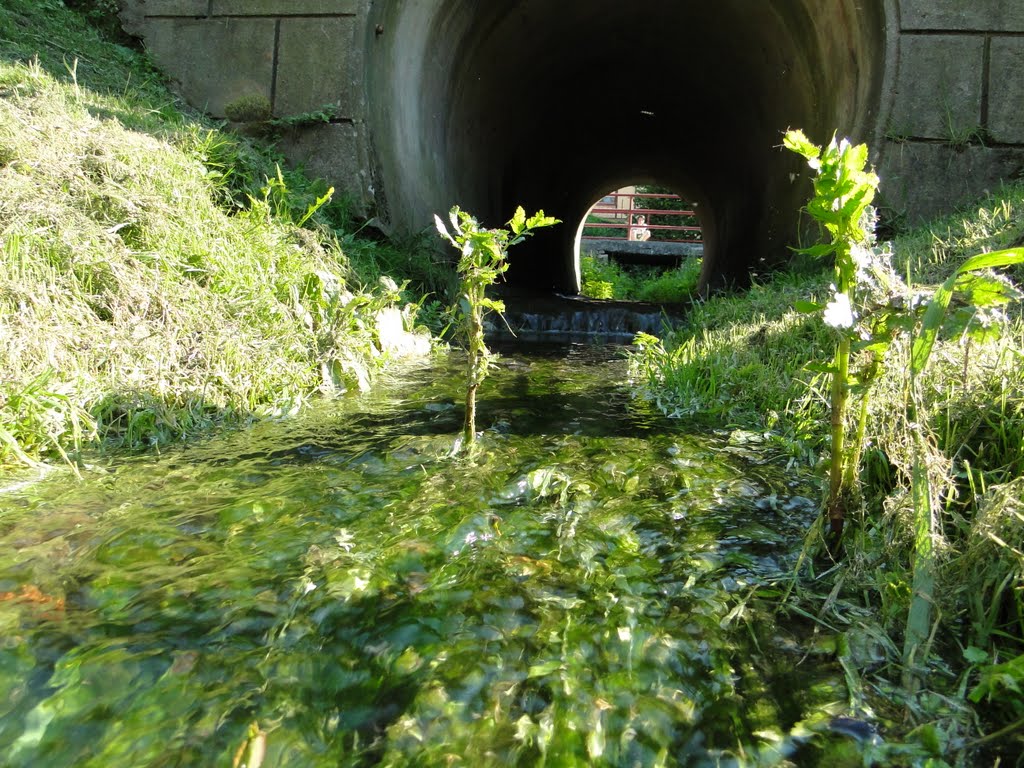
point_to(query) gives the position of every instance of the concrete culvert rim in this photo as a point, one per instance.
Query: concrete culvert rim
(548, 104)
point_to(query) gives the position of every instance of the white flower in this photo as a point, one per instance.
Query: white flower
(838, 312)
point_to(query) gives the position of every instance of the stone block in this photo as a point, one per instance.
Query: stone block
(173, 7)
(920, 181)
(135, 13)
(1006, 91)
(337, 153)
(314, 66)
(939, 87)
(975, 15)
(215, 61)
(284, 7)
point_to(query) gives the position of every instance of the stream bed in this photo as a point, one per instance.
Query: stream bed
(338, 590)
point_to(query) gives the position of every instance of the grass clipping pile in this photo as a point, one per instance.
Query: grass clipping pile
(134, 304)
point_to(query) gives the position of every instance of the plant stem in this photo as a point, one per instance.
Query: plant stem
(850, 479)
(919, 617)
(477, 361)
(469, 429)
(840, 399)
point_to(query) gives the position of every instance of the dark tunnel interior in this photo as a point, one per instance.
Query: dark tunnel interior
(552, 103)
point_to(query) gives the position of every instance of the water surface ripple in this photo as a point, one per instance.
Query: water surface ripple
(338, 590)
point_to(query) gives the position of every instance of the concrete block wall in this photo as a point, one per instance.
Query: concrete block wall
(302, 55)
(955, 120)
(950, 126)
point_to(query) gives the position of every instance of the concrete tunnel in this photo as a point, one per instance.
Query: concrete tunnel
(553, 103)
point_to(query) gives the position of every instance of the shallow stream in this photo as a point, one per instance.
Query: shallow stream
(338, 590)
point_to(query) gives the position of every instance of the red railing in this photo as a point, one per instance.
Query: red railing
(626, 225)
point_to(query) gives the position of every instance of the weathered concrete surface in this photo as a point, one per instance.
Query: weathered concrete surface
(1006, 97)
(299, 87)
(251, 69)
(938, 92)
(962, 15)
(964, 174)
(643, 251)
(333, 151)
(538, 102)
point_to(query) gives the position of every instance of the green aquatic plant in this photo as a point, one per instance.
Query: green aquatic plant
(484, 258)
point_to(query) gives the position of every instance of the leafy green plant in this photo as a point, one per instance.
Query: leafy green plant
(484, 258)
(843, 192)
(38, 419)
(674, 285)
(282, 203)
(324, 114)
(602, 278)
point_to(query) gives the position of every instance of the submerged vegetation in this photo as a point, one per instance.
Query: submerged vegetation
(936, 455)
(159, 275)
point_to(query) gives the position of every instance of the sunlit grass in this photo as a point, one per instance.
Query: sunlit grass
(752, 359)
(154, 280)
(603, 278)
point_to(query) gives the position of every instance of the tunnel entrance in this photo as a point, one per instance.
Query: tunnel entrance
(538, 103)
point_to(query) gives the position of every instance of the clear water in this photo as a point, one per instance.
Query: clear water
(338, 590)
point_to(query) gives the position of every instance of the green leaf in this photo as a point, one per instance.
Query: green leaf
(930, 325)
(987, 290)
(856, 157)
(975, 655)
(797, 141)
(540, 220)
(518, 221)
(808, 307)
(1001, 682)
(993, 260)
(934, 315)
(818, 251)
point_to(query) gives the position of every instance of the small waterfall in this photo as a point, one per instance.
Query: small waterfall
(564, 318)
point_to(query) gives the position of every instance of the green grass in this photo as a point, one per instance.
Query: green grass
(752, 360)
(606, 279)
(154, 278)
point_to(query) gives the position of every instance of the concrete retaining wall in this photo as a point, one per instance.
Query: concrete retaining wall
(954, 122)
(301, 55)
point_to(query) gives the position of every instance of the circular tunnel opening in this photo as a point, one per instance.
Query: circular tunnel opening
(642, 242)
(549, 103)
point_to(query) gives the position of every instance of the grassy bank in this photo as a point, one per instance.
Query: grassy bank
(603, 278)
(160, 276)
(754, 360)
